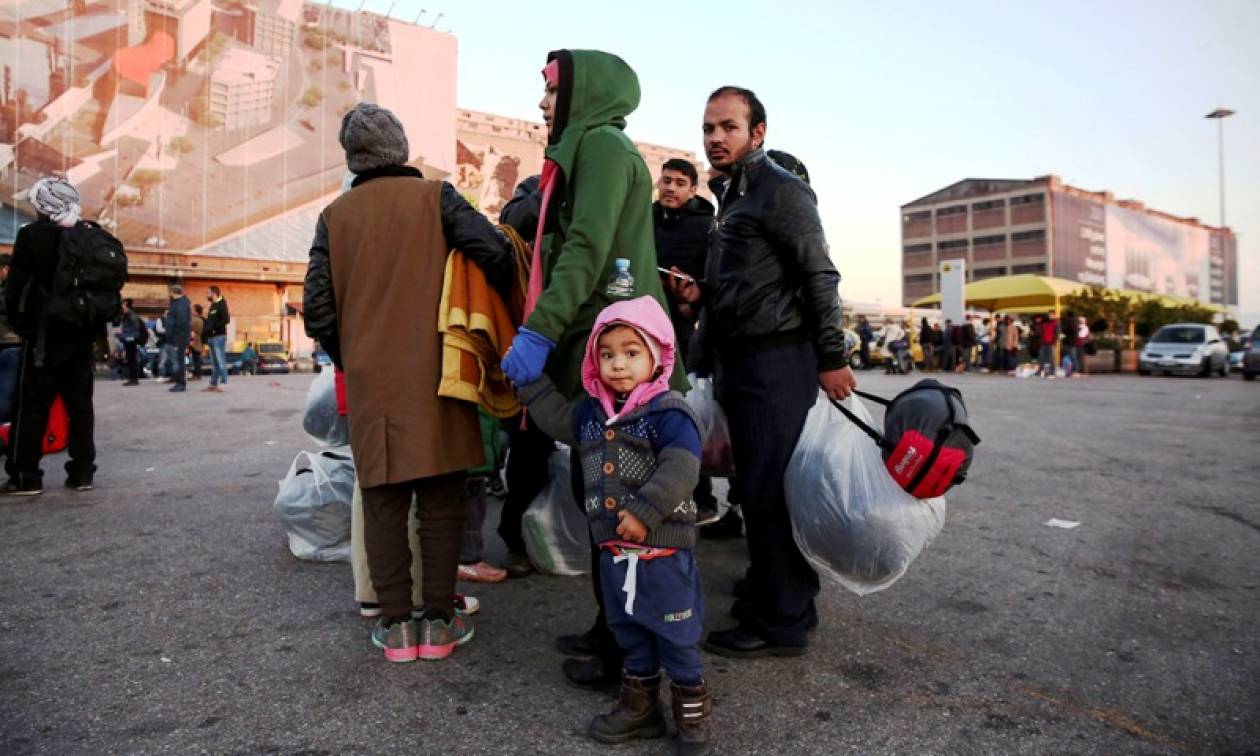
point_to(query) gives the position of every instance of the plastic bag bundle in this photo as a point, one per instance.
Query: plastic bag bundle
(313, 506)
(851, 520)
(321, 421)
(716, 458)
(557, 539)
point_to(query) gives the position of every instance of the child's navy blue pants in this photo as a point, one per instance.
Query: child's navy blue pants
(659, 622)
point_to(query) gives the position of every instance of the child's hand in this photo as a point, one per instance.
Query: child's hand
(630, 527)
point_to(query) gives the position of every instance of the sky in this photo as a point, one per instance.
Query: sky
(887, 102)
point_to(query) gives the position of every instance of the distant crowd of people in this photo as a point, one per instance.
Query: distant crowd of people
(994, 344)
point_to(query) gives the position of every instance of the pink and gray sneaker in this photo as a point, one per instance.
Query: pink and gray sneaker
(397, 640)
(438, 638)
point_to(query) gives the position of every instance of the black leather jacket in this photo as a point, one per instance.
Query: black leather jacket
(464, 228)
(769, 277)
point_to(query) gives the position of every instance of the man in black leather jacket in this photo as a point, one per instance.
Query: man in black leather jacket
(772, 321)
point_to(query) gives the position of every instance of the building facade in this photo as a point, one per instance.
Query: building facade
(242, 89)
(1006, 227)
(276, 26)
(494, 153)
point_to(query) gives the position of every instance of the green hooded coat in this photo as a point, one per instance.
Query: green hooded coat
(601, 211)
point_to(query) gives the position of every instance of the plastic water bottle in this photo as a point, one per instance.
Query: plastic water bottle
(620, 283)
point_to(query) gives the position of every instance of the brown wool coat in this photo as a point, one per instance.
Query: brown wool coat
(387, 255)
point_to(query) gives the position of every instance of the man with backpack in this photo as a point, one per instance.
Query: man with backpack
(215, 334)
(63, 286)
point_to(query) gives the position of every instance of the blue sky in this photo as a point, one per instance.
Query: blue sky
(886, 102)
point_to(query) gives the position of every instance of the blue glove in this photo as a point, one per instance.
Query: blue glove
(525, 360)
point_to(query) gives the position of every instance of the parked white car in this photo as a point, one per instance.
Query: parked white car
(1192, 348)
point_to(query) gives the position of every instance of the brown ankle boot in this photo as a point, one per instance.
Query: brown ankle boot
(693, 709)
(636, 714)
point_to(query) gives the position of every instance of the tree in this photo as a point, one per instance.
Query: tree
(312, 97)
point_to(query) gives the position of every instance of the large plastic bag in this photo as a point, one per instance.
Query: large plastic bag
(849, 517)
(557, 538)
(313, 505)
(716, 458)
(321, 421)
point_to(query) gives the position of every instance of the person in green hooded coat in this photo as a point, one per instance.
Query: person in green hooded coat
(594, 245)
(596, 214)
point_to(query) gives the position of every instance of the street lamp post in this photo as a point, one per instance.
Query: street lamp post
(1220, 114)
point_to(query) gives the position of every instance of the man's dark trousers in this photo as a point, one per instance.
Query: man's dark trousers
(179, 364)
(766, 394)
(527, 467)
(37, 388)
(132, 350)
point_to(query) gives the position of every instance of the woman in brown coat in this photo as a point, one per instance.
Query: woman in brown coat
(371, 299)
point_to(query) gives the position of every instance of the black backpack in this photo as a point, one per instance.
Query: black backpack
(87, 284)
(927, 442)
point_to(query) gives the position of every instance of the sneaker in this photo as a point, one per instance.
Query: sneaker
(438, 638)
(13, 488)
(368, 610)
(481, 573)
(79, 485)
(177, 388)
(397, 640)
(162, 379)
(131, 383)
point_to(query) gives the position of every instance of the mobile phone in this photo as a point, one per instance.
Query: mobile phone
(683, 276)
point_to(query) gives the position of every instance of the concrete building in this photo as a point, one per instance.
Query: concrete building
(1011, 226)
(276, 26)
(242, 88)
(494, 153)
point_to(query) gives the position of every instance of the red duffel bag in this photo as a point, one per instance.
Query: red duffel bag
(57, 434)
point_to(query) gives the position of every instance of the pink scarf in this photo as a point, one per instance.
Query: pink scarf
(547, 183)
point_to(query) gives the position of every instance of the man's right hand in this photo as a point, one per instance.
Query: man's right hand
(685, 290)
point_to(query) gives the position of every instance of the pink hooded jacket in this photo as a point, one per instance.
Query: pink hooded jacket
(645, 316)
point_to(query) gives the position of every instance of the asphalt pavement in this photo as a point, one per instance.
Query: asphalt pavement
(163, 613)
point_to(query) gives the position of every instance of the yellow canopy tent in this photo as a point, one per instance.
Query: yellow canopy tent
(1025, 292)
(1028, 293)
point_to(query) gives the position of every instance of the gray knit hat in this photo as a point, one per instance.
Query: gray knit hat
(373, 137)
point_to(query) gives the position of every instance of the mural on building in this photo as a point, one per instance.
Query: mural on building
(188, 123)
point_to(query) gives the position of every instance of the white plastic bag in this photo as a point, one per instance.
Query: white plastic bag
(321, 421)
(557, 538)
(716, 458)
(313, 505)
(849, 517)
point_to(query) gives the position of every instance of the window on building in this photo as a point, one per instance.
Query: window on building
(1023, 236)
(919, 216)
(954, 244)
(997, 204)
(979, 274)
(951, 210)
(1033, 268)
(912, 249)
(984, 241)
(919, 279)
(1028, 199)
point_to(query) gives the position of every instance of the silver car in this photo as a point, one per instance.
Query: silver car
(1191, 348)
